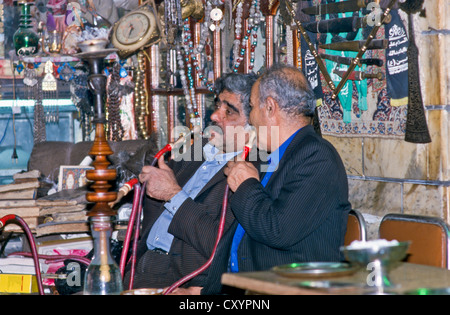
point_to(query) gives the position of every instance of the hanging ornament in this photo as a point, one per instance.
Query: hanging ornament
(30, 78)
(49, 82)
(123, 72)
(66, 72)
(50, 89)
(19, 68)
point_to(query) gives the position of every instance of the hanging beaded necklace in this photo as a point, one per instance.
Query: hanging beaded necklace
(186, 77)
(241, 43)
(188, 60)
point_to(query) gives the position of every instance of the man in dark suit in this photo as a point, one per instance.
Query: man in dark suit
(296, 209)
(184, 197)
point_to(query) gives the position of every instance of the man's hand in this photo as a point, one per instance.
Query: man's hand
(161, 181)
(238, 172)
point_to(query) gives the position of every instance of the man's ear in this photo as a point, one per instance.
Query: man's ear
(271, 106)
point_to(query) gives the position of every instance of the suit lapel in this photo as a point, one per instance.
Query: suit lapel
(307, 130)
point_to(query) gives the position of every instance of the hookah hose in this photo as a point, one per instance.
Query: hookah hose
(208, 263)
(135, 216)
(18, 220)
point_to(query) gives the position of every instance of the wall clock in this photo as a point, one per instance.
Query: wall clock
(136, 30)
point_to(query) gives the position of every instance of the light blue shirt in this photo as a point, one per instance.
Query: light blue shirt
(159, 237)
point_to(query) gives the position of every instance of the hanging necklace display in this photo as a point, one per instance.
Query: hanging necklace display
(34, 93)
(186, 76)
(172, 19)
(140, 96)
(251, 33)
(204, 29)
(203, 49)
(115, 129)
(192, 58)
(82, 99)
(50, 89)
(238, 31)
(39, 133)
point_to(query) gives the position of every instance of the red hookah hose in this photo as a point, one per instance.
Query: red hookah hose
(219, 236)
(55, 258)
(134, 222)
(126, 243)
(136, 235)
(18, 220)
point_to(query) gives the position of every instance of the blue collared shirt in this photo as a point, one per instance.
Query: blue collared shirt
(273, 161)
(159, 237)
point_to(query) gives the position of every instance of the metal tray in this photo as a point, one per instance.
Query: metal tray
(315, 270)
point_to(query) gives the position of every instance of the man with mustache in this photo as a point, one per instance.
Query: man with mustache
(184, 197)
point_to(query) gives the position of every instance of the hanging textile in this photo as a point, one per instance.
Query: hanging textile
(310, 67)
(397, 61)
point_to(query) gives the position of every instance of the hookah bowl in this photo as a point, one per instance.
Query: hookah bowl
(379, 260)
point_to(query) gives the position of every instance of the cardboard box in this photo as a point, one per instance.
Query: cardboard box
(17, 283)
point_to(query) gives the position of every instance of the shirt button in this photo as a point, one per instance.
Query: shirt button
(174, 208)
(204, 167)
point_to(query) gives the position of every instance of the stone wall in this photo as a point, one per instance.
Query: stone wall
(394, 176)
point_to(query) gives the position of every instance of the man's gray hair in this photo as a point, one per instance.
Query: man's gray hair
(295, 97)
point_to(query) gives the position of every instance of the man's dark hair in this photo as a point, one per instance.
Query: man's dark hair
(237, 83)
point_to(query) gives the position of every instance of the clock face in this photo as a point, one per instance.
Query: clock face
(132, 28)
(134, 31)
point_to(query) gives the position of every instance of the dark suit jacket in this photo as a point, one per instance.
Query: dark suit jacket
(194, 228)
(300, 216)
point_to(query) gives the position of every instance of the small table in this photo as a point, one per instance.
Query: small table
(406, 277)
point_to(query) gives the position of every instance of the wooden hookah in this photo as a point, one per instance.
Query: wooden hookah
(101, 175)
(103, 275)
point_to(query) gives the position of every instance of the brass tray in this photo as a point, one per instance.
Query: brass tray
(315, 270)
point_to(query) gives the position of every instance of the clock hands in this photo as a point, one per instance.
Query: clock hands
(131, 29)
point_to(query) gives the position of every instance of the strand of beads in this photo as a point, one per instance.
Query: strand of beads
(189, 90)
(140, 96)
(204, 32)
(251, 32)
(238, 30)
(255, 13)
(204, 35)
(183, 78)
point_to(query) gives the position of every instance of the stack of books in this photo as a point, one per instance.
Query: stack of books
(19, 198)
(63, 212)
(24, 187)
(26, 209)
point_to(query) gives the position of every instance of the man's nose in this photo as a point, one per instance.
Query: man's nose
(217, 116)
